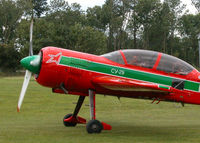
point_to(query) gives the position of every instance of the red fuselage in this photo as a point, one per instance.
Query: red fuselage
(77, 71)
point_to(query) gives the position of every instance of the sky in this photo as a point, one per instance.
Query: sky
(189, 6)
(87, 3)
(91, 3)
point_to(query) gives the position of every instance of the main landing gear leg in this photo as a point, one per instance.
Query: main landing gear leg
(95, 126)
(70, 120)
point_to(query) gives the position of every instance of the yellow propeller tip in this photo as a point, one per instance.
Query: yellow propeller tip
(18, 109)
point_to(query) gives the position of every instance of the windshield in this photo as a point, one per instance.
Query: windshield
(150, 59)
(115, 57)
(172, 64)
(142, 58)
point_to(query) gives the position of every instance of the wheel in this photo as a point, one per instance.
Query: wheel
(68, 124)
(94, 126)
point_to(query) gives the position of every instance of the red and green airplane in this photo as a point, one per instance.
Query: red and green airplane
(129, 73)
(125, 73)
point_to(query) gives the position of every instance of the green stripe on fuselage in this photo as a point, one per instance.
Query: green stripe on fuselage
(124, 72)
(189, 85)
(164, 87)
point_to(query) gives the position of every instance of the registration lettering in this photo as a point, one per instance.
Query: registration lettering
(117, 71)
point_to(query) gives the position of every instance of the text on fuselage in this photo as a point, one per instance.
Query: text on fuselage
(117, 71)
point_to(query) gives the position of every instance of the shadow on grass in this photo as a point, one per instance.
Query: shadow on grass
(158, 132)
(121, 129)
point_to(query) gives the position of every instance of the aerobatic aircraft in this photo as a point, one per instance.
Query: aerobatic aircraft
(131, 73)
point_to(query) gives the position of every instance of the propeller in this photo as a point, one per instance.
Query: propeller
(31, 39)
(24, 87)
(28, 73)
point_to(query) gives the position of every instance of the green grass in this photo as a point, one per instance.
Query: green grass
(133, 121)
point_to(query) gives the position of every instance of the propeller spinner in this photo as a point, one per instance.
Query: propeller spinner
(31, 63)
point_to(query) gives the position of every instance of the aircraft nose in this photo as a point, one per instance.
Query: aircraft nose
(31, 63)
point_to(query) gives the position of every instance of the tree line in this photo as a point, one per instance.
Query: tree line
(117, 24)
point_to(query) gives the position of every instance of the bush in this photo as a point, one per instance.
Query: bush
(9, 58)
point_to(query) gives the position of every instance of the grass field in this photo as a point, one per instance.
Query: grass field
(133, 121)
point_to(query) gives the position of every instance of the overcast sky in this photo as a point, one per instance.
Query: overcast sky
(91, 3)
(190, 7)
(87, 3)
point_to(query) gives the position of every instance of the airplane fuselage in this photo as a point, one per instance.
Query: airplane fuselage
(75, 70)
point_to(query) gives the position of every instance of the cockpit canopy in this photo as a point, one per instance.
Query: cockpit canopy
(150, 60)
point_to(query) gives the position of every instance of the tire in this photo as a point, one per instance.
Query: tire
(94, 126)
(68, 124)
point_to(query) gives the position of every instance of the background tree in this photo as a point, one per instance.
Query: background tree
(189, 30)
(39, 7)
(95, 18)
(147, 11)
(153, 25)
(10, 17)
(33, 7)
(9, 58)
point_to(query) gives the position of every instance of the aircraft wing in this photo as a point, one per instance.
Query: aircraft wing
(121, 84)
